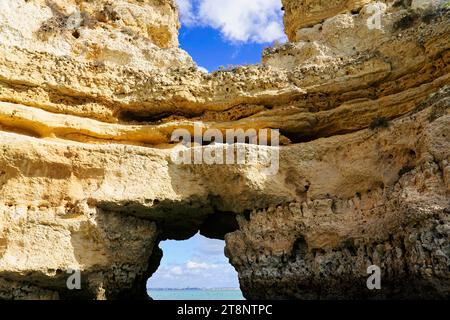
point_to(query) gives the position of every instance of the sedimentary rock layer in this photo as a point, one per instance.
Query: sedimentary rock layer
(92, 91)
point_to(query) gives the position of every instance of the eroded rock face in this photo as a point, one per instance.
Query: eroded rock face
(88, 104)
(300, 14)
(127, 33)
(364, 211)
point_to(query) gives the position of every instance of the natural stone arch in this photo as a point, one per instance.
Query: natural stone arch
(87, 181)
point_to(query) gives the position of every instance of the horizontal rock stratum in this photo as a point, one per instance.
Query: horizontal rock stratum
(92, 91)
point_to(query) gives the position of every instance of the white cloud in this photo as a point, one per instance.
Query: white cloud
(197, 262)
(257, 21)
(202, 69)
(192, 265)
(185, 9)
(194, 274)
(178, 271)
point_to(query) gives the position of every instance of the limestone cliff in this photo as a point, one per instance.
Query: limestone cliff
(91, 92)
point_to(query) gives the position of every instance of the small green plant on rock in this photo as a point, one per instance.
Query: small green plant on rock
(438, 110)
(402, 3)
(379, 122)
(406, 22)
(405, 170)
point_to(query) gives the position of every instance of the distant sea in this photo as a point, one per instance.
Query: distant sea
(196, 294)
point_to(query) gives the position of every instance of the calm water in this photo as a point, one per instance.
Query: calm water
(207, 294)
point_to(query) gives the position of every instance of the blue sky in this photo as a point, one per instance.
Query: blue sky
(210, 49)
(198, 262)
(232, 32)
(216, 33)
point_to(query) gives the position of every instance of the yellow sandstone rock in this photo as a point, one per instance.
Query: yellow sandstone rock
(306, 13)
(92, 91)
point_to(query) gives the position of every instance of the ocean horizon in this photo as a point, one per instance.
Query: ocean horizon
(195, 294)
